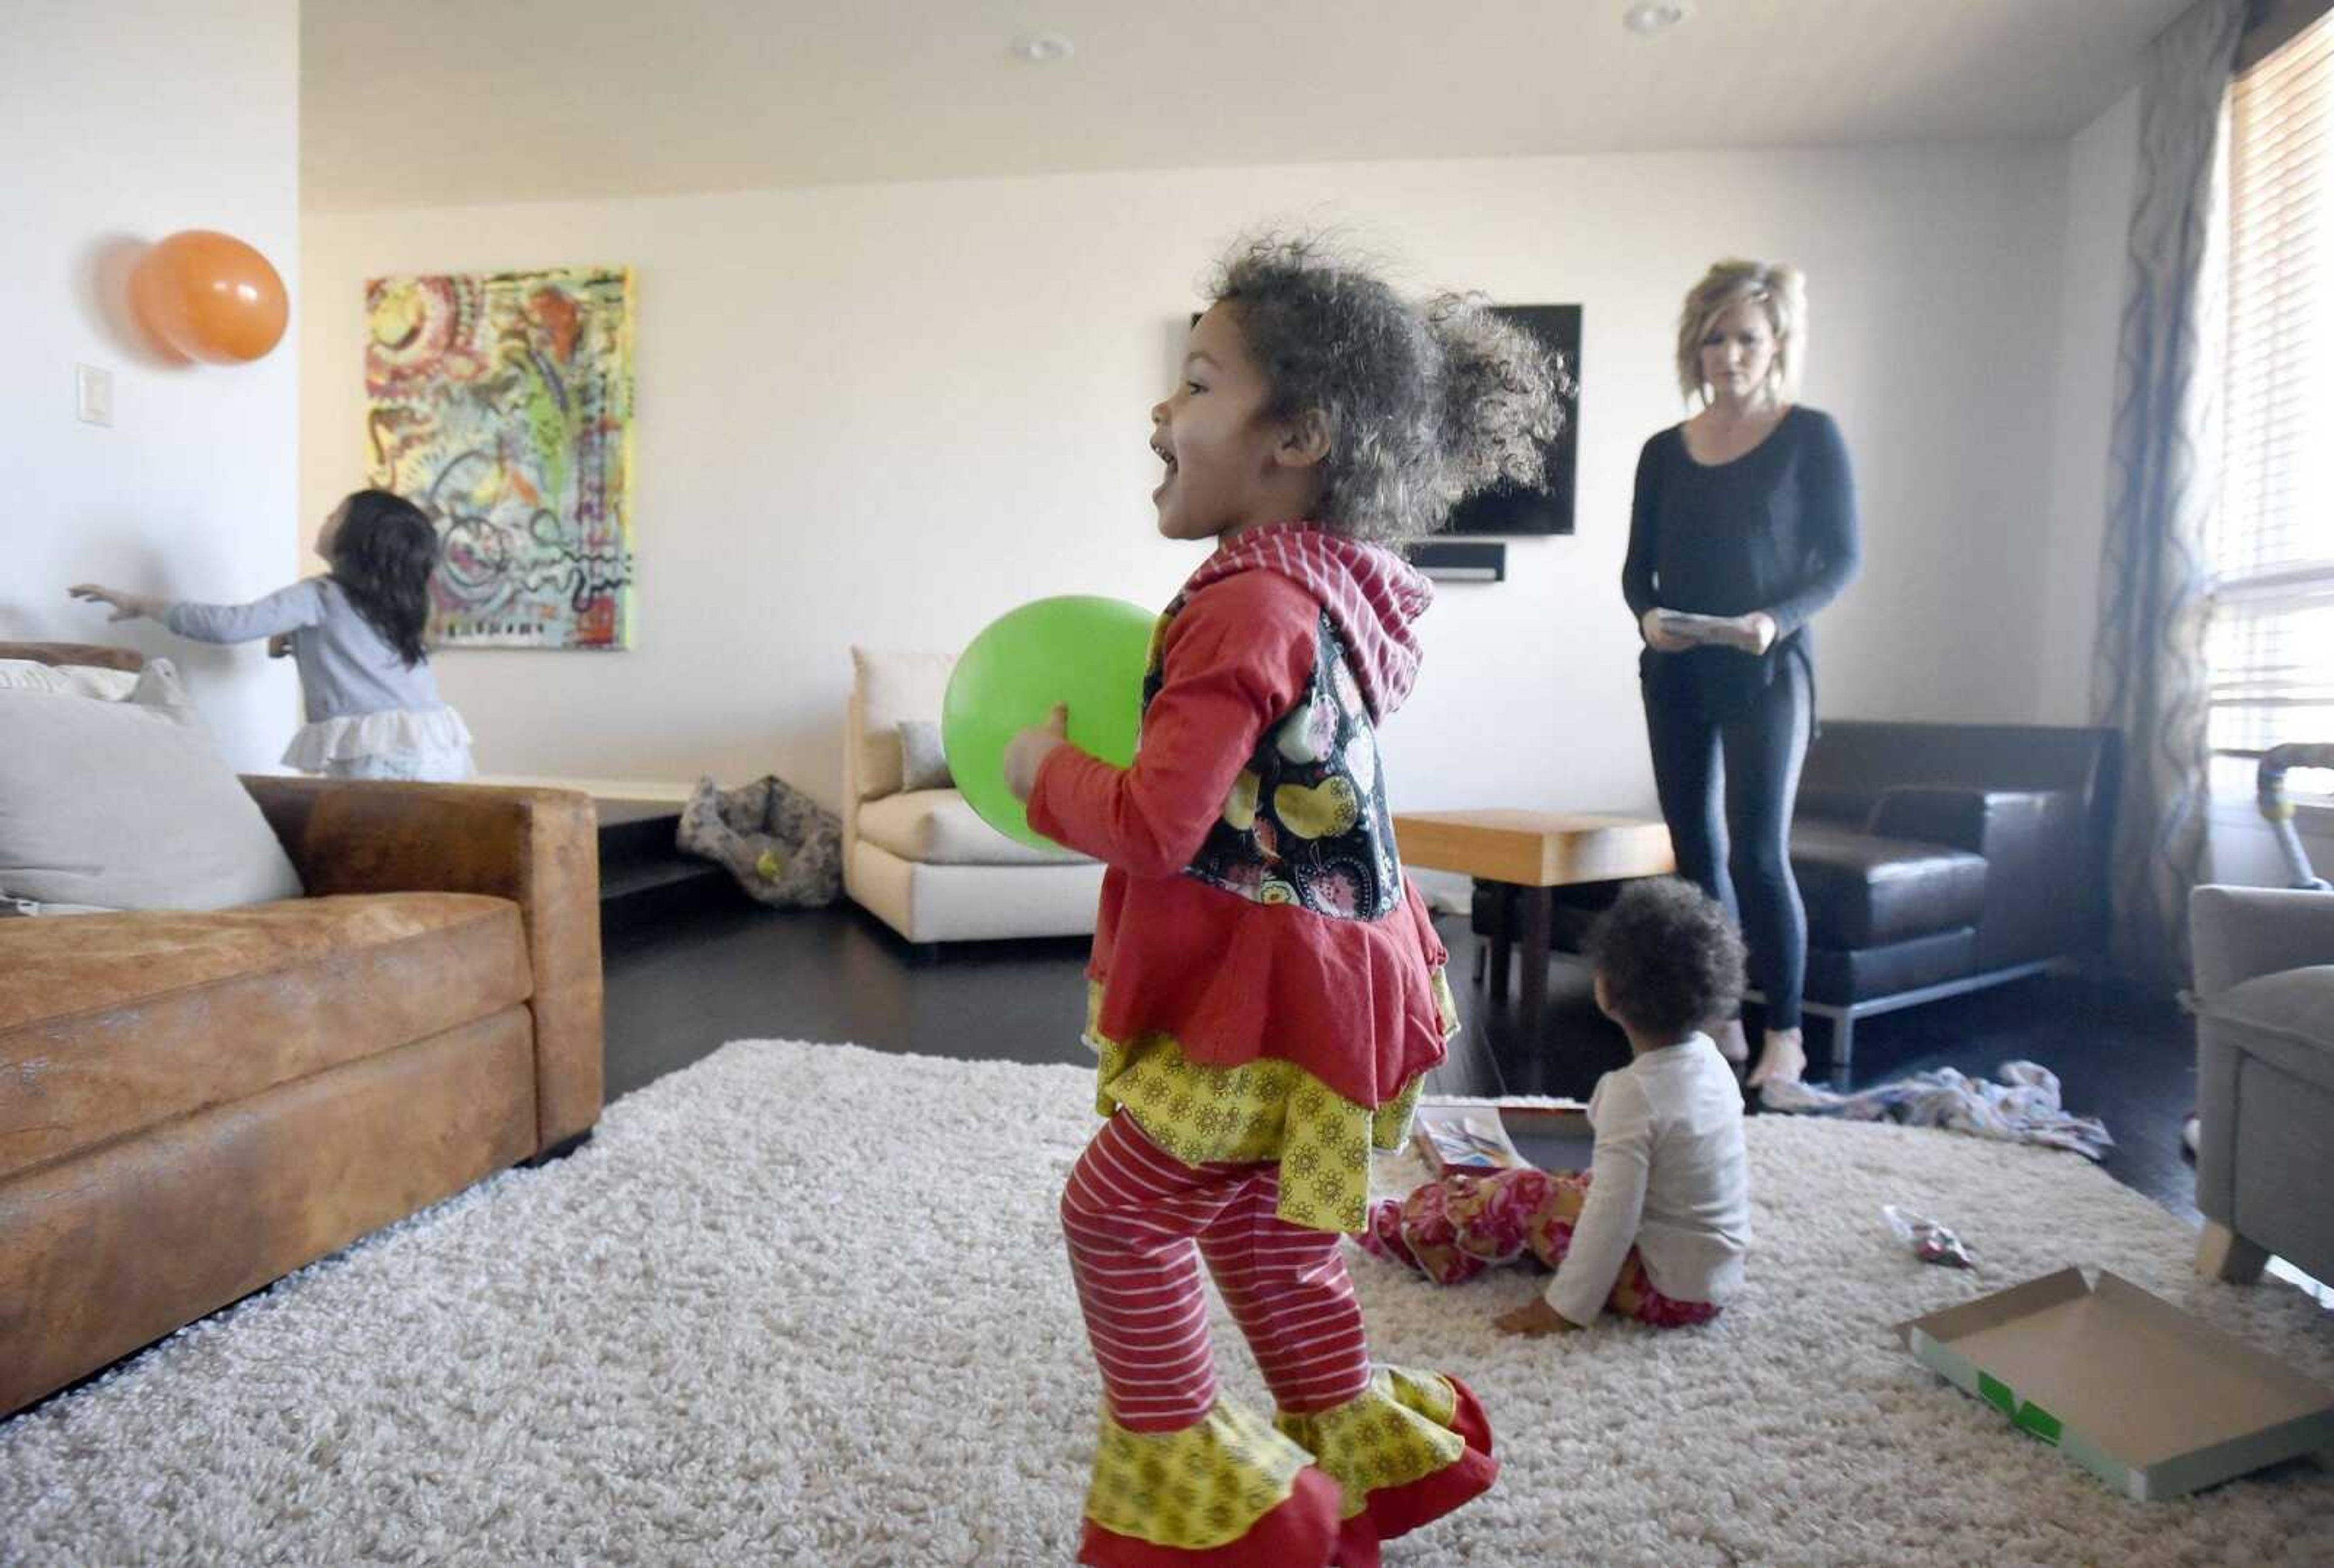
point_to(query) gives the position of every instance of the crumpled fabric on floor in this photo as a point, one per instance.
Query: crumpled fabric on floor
(2023, 1108)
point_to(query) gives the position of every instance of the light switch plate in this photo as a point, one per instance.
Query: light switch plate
(93, 394)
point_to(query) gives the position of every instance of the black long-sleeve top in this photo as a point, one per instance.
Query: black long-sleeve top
(1773, 530)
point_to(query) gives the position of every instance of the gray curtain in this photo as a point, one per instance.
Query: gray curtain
(2147, 675)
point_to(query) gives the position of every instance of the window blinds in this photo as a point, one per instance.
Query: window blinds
(2270, 643)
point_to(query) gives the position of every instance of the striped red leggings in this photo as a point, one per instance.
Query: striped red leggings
(1133, 1213)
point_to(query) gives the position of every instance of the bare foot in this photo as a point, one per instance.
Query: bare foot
(1533, 1319)
(1783, 1061)
(1731, 1043)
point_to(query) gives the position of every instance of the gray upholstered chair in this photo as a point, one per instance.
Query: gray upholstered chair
(2264, 1003)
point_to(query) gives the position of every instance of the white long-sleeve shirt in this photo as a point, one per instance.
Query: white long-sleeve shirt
(1670, 1177)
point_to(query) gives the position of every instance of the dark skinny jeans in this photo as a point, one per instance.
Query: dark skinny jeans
(1727, 790)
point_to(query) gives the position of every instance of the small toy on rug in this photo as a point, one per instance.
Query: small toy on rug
(1657, 1227)
(1930, 1242)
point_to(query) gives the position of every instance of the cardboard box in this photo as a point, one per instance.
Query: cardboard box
(1475, 1136)
(2143, 1395)
(1464, 1140)
(1553, 1134)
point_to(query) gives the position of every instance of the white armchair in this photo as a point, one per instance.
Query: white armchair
(921, 861)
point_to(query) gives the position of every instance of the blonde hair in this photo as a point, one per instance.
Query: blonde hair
(1781, 290)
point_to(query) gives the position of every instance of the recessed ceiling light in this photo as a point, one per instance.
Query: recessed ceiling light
(1043, 48)
(1650, 16)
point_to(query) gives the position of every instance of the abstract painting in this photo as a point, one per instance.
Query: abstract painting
(502, 403)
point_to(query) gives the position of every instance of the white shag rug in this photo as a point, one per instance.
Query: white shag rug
(806, 1304)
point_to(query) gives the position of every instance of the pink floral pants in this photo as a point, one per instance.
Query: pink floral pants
(1453, 1228)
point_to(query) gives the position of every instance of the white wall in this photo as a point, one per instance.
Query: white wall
(125, 123)
(2102, 171)
(885, 414)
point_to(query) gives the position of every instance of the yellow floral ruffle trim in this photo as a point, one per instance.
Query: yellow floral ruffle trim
(1264, 1110)
(1396, 1431)
(1203, 1486)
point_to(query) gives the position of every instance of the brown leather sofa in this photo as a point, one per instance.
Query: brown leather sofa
(194, 1105)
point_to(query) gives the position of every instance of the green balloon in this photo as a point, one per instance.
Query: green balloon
(1086, 651)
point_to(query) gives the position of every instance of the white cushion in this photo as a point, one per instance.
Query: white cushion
(894, 689)
(128, 805)
(939, 828)
(67, 679)
(974, 903)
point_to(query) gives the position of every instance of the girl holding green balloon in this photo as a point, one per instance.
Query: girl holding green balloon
(1266, 989)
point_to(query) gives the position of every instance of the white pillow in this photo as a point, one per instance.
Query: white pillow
(128, 805)
(894, 689)
(67, 679)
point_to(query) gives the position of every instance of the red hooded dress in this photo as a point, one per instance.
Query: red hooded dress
(1265, 985)
(1255, 919)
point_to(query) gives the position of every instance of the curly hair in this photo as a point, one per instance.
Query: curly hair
(1671, 959)
(1425, 404)
(383, 558)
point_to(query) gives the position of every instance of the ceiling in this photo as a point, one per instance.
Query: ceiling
(432, 102)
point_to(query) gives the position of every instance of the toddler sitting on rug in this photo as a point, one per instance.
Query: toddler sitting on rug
(1657, 1227)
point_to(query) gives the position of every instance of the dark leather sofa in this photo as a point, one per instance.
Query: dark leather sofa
(1934, 859)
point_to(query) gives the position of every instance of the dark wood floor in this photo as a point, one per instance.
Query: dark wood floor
(680, 987)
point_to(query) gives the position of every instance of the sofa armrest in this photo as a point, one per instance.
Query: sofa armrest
(2040, 897)
(539, 848)
(1963, 816)
(2239, 933)
(97, 653)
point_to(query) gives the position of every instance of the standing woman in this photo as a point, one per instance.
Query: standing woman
(1744, 517)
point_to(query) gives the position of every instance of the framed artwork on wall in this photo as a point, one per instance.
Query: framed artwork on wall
(502, 404)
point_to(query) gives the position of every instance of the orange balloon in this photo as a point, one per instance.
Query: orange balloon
(209, 296)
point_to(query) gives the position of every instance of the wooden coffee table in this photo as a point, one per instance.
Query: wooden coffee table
(1532, 853)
